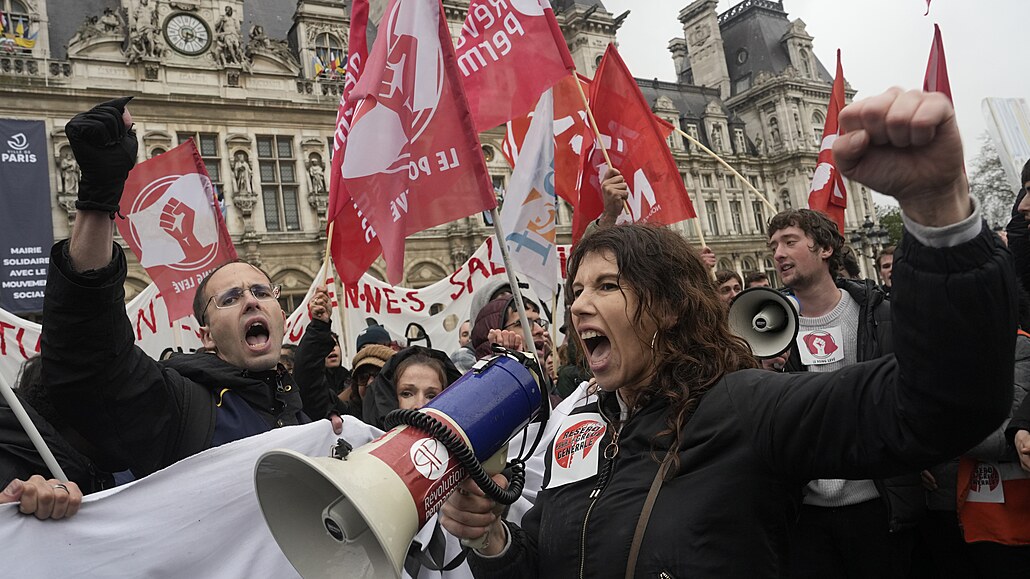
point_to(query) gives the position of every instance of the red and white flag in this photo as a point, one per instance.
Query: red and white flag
(936, 79)
(354, 245)
(413, 158)
(827, 193)
(927, 7)
(638, 148)
(174, 224)
(528, 216)
(508, 54)
(572, 136)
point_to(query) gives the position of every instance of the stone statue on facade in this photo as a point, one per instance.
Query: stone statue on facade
(144, 37)
(69, 173)
(316, 175)
(229, 40)
(717, 138)
(111, 22)
(241, 173)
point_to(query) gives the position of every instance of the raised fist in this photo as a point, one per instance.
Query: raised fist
(177, 220)
(105, 148)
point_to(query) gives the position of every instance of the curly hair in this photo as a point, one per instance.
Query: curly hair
(694, 347)
(818, 227)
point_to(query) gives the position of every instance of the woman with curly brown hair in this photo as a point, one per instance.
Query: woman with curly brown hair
(686, 462)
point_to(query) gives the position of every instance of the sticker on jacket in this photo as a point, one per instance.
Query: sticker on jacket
(985, 485)
(575, 451)
(823, 346)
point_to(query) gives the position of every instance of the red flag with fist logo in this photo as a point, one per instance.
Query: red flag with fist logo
(827, 194)
(174, 224)
(413, 158)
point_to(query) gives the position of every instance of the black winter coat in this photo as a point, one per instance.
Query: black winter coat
(318, 385)
(757, 437)
(145, 413)
(381, 394)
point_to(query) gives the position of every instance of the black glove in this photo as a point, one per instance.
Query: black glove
(105, 150)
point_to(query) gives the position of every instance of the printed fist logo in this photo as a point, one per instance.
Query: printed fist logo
(177, 219)
(578, 438)
(173, 223)
(406, 99)
(430, 457)
(18, 142)
(985, 479)
(820, 344)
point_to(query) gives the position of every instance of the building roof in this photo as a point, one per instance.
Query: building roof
(690, 101)
(561, 5)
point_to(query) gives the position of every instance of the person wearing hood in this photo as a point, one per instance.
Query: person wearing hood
(495, 288)
(409, 379)
(317, 368)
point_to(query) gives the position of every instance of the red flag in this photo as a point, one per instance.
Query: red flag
(936, 79)
(413, 157)
(354, 245)
(572, 136)
(827, 193)
(927, 7)
(637, 147)
(174, 224)
(509, 54)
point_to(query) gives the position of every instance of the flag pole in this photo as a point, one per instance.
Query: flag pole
(731, 169)
(527, 330)
(597, 133)
(31, 430)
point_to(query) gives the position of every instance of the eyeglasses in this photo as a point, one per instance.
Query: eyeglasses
(232, 297)
(518, 324)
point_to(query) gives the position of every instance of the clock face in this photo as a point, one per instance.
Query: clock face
(187, 34)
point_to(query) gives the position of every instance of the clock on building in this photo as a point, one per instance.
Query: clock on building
(187, 34)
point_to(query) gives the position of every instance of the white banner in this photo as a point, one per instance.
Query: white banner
(1008, 122)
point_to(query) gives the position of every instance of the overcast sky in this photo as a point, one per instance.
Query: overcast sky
(883, 43)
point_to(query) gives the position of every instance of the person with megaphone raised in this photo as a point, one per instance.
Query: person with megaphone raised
(685, 460)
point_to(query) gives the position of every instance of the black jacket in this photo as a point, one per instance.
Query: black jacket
(318, 385)
(757, 437)
(145, 413)
(381, 394)
(20, 459)
(903, 495)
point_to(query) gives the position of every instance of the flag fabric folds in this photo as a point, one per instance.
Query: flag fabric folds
(508, 54)
(936, 79)
(637, 147)
(413, 158)
(354, 245)
(528, 216)
(827, 193)
(174, 224)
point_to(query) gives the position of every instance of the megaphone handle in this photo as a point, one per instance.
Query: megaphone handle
(493, 465)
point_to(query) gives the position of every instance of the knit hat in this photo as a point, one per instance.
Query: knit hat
(375, 354)
(373, 335)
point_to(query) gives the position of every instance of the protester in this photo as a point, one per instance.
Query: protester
(45, 499)
(849, 269)
(318, 369)
(884, 264)
(367, 364)
(141, 412)
(756, 279)
(287, 356)
(464, 333)
(727, 285)
(409, 379)
(19, 458)
(1017, 233)
(374, 334)
(861, 527)
(743, 443)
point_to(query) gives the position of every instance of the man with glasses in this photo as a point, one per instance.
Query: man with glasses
(140, 412)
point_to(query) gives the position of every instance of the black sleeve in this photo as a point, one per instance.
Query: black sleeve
(947, 387)
(309, 370)
(1019, 242)
(117, 397)
(520, 560)
(1020, 421)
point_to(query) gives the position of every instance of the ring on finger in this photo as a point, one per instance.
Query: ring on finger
(62, 487)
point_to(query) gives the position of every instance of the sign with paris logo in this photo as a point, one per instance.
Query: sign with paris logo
(174, 225)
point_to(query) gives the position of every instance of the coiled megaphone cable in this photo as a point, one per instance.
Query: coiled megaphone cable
(463, 453)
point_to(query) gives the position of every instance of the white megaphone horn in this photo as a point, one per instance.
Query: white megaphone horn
(766, 319)
(356, 516)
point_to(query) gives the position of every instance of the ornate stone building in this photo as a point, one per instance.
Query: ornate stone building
(240, 78)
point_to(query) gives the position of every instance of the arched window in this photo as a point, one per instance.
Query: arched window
(748, 265)
(16, 36)
(157, 151)
(328, 49)
(806, 64)
(818, 122)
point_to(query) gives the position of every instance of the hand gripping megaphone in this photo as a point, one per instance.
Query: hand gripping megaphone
(766, 319)
(357, 516)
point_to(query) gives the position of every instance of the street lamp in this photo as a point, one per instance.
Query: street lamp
(868, 240)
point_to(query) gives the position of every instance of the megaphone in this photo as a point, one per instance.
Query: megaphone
(766, 319)
(356, 516)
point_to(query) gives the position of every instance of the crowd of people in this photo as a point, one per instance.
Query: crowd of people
(887, 440)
